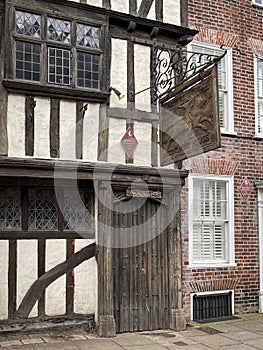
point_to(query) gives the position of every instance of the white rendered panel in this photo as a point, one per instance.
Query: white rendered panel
(56, 292)
(143, 134)
(42, 128)
(95, 2)
(117, 128)
(120, 5)
(85, 296)
(4, 280)
(67, 129)
(142, 74)
(90, 132)
(119, 72)
(171, 12)
(16, 125)
(26, 269)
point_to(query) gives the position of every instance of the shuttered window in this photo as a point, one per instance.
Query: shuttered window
(259, 97)
(210, 221)
(224, 80)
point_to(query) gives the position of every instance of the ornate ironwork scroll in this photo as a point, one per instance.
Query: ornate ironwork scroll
(172, 67)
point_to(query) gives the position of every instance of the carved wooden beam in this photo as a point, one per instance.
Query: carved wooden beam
(145, 8)
(39, 286)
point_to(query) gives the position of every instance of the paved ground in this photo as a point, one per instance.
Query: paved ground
(245, 333)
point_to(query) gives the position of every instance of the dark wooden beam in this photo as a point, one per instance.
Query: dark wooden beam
(80, 112)
(106, 4)
(130, 90)
(29, 125)
(159, 10)
(12, 278)
(103, 137)
(55, 91)
(41, 270)
(138, 115)
(133, 7)
(4, 59)
(184, 13)
(70, 280)
(54, 127)
(145, 8)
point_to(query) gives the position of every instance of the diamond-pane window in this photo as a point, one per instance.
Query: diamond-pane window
(88, 70)
(10, 209)
(28, 24)
(58, 30)
(88, 36)
(76, 211)
(42, 210)
(58, 66)
(27, 61)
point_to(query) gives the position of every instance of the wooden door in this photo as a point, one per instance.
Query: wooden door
(140, 272)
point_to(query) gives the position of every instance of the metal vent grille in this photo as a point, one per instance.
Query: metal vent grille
(212, 307)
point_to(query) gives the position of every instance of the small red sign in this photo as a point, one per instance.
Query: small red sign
(129, 142)
(245, 189)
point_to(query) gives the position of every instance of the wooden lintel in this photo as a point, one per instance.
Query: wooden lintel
(138, 115)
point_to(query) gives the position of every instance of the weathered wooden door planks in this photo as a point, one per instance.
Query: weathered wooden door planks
(140, 271)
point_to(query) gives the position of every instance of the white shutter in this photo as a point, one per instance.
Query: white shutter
(210, 220)
(260, 95)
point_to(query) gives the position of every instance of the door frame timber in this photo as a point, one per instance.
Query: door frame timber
(171, 191)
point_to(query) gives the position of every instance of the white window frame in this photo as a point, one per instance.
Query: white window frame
(229, 122)
(257, 133)
(256, 3)
(230, 242)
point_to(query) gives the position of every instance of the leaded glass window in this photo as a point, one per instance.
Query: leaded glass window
(27, 61)
(42, 210)
(58, 66)
(10, 209)
(58, 30)
(76, 211)
(88, 70)
(88, 36)
(46, 51)
(28, 24)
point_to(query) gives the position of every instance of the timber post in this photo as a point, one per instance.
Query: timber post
(107, 326)
(177, 315)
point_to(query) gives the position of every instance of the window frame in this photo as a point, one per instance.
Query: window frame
(25, 232)
(230, 244)
(256, 98)
(229, 121)
(10, 80)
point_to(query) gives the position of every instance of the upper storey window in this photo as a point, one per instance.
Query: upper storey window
(259, 97)
(57, 51)
(225, 82)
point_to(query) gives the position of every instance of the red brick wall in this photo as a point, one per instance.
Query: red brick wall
(237, 24)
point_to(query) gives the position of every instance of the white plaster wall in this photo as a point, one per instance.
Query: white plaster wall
(120, 5)
(171, 12)
(90, 132)
(119, 72)
(42, 128)
(85, 296)
(4, 280)
(67, 129)
(16, 125)
(143, 134)
(117, 128)
(56, 292)
(95, 2)
(142, 77)
(26, 269)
